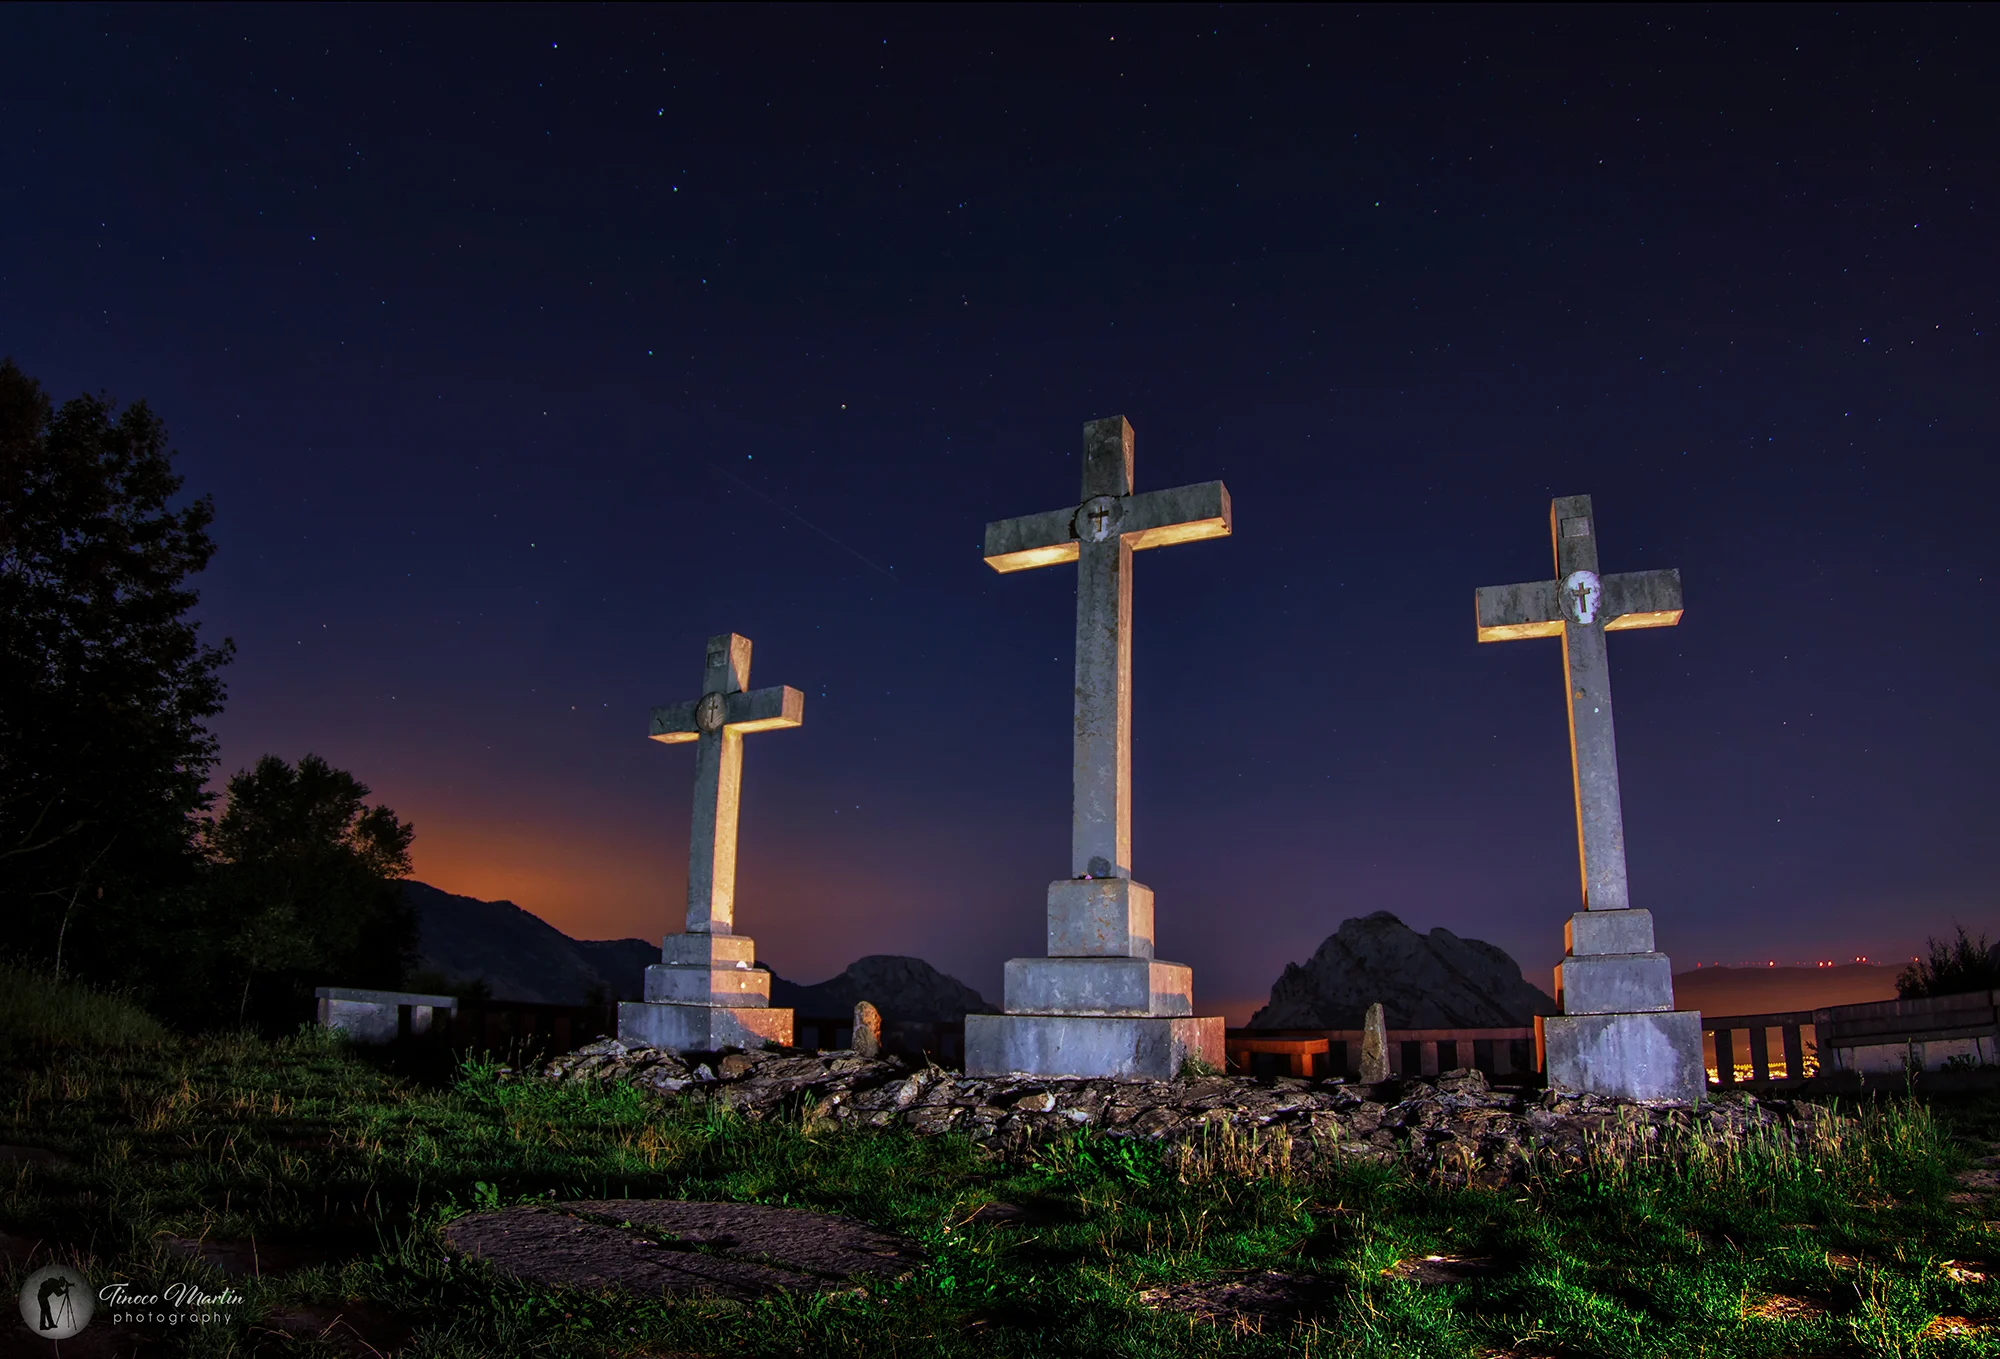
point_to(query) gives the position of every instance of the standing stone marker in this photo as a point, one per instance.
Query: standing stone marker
(706, 993)
(867, 1039)
(1618, 1033)
(1100, 1004)
(1374, 1046)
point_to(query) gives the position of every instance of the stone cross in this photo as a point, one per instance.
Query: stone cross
(1099, 1003)
(1580, 606)
(717, 722)
(1100, 535)
(1618, 1033)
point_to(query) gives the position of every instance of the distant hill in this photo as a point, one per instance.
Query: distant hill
(1766, 990)
(901, 988)
(1424, 981)
(522, 957)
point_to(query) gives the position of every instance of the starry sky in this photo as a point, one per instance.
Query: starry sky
(523, 349)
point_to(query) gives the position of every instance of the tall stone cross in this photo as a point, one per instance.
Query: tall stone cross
(1580, 606)
(707, 993)
(1100, 535)
(1618, 1033)
(717, 722)
(1100, 1003)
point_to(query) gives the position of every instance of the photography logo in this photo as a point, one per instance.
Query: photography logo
(57, 1302)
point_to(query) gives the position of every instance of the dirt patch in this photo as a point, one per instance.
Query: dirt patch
(1783, 1307)
(1016, 1215)
(1247, 1301)
(656, 1246)
(355, 1328)
(1980, 1178)
(1955, 1327)
(1966, 1271)
(246, 1259)
(1443, 1269)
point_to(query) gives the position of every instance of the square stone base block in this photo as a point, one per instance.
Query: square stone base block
(1632, 1056)
(1142, 1048)
(733, 984)
(1615, 984)
(1098, 986)
(702, 1028)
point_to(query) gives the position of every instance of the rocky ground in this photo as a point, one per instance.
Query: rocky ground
(1454, 1127)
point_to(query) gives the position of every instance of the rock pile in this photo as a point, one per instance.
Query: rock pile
(1454, 1127)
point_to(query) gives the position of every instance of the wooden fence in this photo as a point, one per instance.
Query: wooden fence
(1415, 1052)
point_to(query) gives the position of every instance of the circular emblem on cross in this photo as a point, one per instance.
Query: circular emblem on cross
(1582, 594)
(708, 713)
(1097, 518)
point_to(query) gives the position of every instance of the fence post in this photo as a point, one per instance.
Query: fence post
(1760, 1054)
(1725, 1057)
(1795, 1053)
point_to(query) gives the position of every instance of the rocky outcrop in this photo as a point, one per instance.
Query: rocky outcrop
(1424, 981)
(1454, 1126)
(905, 990)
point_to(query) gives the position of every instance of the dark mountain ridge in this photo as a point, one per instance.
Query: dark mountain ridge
(521, 957)
(1423, 981)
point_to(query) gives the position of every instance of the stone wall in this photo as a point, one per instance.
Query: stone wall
(1454, 1126)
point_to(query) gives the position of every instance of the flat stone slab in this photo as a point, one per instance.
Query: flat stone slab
(670, 1246)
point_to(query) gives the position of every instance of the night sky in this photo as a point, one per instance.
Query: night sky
(524, 349)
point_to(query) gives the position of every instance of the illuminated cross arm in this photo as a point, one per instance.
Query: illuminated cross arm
(717, 723)
(1580, 606)
(1100, 535)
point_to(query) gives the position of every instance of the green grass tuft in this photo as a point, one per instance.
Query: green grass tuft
(36, 1011)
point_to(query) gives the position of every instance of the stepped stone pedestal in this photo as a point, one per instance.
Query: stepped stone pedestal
(707, 994)
(1619, 1033)
(1100, 1004)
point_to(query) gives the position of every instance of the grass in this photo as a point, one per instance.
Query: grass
(1850, 1247)
(38, 1012)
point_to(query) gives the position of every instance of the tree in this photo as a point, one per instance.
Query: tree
(1953, 968)
(104, 681)
(305, 883)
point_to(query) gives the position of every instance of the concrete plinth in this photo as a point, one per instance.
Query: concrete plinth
(703, 1028)
(1142, 1048)
(1655, 1056)
(1615, 984)
(1100, 918)
(1099, 986)
(673, 984)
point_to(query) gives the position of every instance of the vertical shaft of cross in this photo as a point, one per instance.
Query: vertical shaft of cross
(1593, 741)
(718, 781)
(1101, 824)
